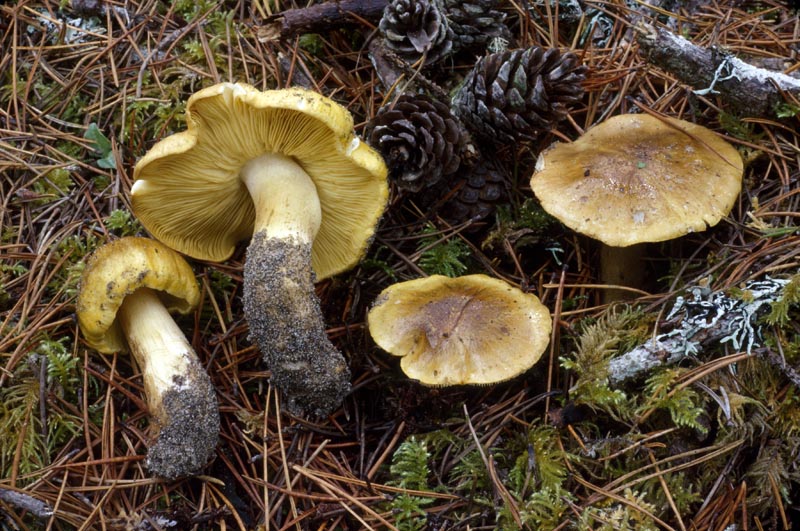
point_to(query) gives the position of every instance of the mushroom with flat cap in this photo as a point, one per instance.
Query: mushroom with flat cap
(637, 178)
(127, 290)
(472, 329)
(283, 168)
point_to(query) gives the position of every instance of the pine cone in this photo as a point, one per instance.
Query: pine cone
(482, 189)
(420, 140)
(413, 28)
(476, 22)
(519, 94)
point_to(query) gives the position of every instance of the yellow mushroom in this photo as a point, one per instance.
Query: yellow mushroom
(127, 291)
(635, 178)
(283, 169)
(467, 330)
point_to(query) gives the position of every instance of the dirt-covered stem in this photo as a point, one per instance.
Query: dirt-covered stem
(280, 304)
(179, 393)
(286, 323)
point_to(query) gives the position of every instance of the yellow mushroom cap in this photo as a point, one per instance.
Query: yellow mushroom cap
(189, 195)
(635, 178)
(467, 330)
(119, 268)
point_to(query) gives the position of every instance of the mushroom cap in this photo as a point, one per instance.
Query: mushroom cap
(119, 268)
(467, 330)
(635, 178)
(188, 193)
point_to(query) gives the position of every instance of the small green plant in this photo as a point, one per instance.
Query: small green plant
(525, 226)
(786, 110)
(442, 256)
(312, 43)
(16, 270)
(631, 516)
(738, 127)
(684, 404)
(102, 147)
(470, 474)
(189, 9)
(76, 248)
(221, 282)
(22, 433)
(779, 310)
(122, 223)
(54, 185)
(598, 342)
(409, 470)
(62, 366)
(543, 510)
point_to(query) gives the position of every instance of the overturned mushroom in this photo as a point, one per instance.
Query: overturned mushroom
(126, 293)
(467, 330)
(283, 168)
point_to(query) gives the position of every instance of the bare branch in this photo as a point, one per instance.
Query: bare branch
(750, 91)
(320, 17)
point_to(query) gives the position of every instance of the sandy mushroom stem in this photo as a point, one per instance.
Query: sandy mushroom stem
(280, 304)
(178, 391)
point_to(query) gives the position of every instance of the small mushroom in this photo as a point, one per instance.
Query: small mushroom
(467, 330)
(284, 169)
(636, 178)
(127, 291)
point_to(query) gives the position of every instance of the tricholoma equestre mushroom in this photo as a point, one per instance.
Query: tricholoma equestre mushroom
(127, 290)
(284, 169)
(637, 178)
(467, 330)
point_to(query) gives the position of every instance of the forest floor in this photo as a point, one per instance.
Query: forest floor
(712, 443)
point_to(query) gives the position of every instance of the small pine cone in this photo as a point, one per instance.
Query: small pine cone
(413, 28)
(519, 94)
(420, 140)
(483, 188)
(476, 23)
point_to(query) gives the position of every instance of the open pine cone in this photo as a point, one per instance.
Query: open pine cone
(476, 22)
(420, 140)
(519, 94)
(413, 28)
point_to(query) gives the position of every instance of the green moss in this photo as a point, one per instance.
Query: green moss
(683, 403)
(74, 249)
(409, 470)
(525, 225)
(599, 340)
(779, 314)
(56, 184)
(618, 516)
(442, 256)
(122, 223)
(312, 43)
(543, 510)
(22, 431)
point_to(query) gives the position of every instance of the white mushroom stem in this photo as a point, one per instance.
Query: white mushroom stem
(156, 343)
(284, 196)
(281, 307)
